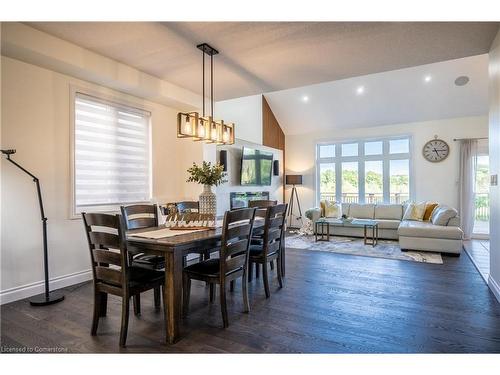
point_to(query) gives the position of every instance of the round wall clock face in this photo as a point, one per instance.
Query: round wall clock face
(436, 150)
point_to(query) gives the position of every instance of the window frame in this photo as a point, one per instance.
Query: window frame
(118, 100)
(385, 157)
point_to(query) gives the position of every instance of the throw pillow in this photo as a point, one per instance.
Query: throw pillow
(443, 216)
(429, 207)
(415, 211)
(322, 208)
(333, 209)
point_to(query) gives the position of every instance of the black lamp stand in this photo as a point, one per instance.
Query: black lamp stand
(290, 206)
(47, 298)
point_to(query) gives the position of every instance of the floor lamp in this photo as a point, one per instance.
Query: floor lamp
(47, 298)
(294, 179)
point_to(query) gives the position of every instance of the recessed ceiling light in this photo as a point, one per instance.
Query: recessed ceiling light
(428, 78)
(305, 98)
(360, 90)
(462, 81)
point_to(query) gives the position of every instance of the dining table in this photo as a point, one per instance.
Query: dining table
(175, 247)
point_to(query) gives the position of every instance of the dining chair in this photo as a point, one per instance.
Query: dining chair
(231, 264)
(271, 246)
(111, 269)
(139, 216)
(257, 236)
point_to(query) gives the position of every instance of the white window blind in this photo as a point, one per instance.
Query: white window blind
(111, 154)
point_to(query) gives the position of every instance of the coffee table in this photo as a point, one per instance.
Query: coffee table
(366, 224)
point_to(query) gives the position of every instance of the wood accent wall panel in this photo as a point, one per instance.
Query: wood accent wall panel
(272, 134)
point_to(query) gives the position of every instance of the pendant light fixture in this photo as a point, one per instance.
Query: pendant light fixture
(205, 128)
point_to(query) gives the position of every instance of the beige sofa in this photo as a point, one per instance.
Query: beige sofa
(412, 235)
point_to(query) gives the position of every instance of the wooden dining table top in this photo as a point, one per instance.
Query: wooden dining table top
(181, 240)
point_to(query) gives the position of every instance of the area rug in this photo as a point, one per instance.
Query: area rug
(355, 246)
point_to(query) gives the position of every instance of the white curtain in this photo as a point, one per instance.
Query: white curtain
(467, 181)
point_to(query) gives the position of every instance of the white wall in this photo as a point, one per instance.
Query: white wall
(246, 113)
(234, 153)
(432, 181)
(494, 150)
(36, 121)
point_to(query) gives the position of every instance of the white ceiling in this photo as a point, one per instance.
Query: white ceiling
(399, 96)
(259, 57)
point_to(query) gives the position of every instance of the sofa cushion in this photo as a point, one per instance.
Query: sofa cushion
(415, 211)
(332, 209)
(425, 229)
(362, 211)
(443, 215)
(389, 211)
(429, 208)
(388, 223)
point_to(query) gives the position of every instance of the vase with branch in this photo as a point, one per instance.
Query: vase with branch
(208, 175)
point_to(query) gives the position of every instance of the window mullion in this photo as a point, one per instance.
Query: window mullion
(385, 172)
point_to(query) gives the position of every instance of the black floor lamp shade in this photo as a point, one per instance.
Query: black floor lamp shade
(293, 179)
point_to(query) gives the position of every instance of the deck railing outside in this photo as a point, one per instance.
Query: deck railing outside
(482, 211)
(369, 197)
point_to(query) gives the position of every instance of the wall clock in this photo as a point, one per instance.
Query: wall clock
(436, 150)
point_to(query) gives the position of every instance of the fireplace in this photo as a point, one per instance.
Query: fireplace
(240, 200)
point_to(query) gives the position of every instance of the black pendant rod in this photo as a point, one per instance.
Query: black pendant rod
(211, 51)
(212, 85)
(203, 53)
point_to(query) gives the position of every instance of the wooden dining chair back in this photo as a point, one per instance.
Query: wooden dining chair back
(108, 255)
(262, 203)
(231, 264)
(236, 236)
(140, 216)
(272, 243)
(111, 269)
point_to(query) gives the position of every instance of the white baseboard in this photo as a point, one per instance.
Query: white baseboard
(494, 287)
(29, 290)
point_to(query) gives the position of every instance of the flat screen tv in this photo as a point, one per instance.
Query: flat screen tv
(256, 167)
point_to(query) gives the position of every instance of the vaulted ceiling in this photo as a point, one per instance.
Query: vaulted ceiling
(260, 57)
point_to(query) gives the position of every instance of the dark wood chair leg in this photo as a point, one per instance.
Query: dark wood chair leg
(223, 305)
(124, 326)
(282, 263)
(137, 304)
(104, 304)
(157, 297)
(257, 270)
(265, 276)
(231, 286)
(271, 263)
(278, 270)
(244, 287)
(212, 292)
(186, 291)
(97, 313)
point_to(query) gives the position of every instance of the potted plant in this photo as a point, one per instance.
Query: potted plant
(207, 175)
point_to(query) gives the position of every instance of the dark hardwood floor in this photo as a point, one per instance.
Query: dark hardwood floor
(331, 303)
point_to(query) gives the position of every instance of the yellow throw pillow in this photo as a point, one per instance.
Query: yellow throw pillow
(333, 209)
(415, 211)
(429, 207)
(322, 205)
